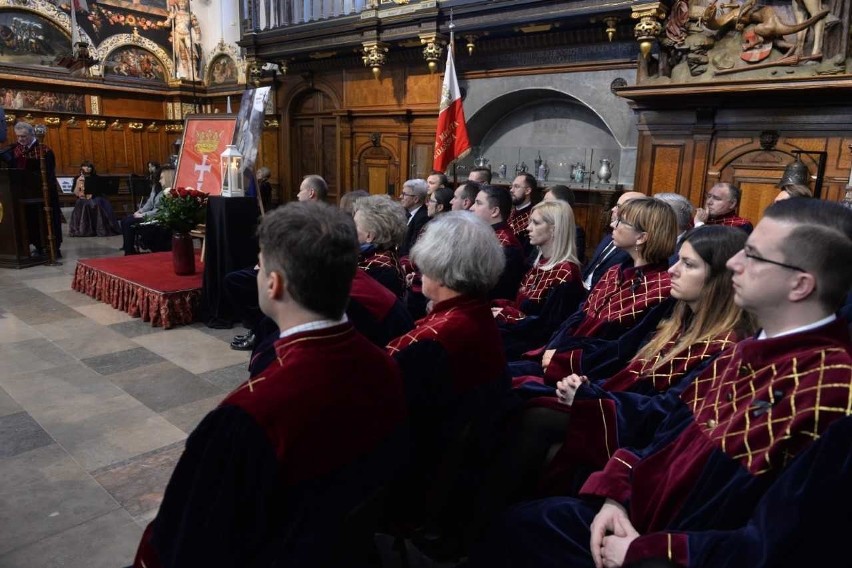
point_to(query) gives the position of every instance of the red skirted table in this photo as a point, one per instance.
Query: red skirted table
(143, 285)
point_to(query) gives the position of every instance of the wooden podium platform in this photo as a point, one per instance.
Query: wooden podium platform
(21, 213)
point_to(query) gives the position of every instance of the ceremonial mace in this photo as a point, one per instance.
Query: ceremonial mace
(40, 132)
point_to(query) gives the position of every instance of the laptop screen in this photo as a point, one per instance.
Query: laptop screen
(66, 184)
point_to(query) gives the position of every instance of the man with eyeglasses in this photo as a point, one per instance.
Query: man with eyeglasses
(413, 198)
(720, 208)
(741, 457)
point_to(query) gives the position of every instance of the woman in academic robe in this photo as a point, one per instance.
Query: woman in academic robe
(552, 288)
(622, 309)
(602, 408)
(93, 214)
(452, 361)
(380, 222)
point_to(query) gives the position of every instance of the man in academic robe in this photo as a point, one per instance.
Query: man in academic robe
(732, 442)
(271, 476)
(493, 205)
(525, 193)
(720, 208)
(26, 154)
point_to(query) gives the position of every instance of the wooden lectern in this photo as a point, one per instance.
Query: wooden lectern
(21, 215)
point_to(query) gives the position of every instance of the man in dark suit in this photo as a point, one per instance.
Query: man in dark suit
(606, 255)
(413, 198)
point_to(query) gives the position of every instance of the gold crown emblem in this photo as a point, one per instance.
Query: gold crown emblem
(207, 141)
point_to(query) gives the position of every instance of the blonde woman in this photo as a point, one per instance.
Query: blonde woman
(552, 289)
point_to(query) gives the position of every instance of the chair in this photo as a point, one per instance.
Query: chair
(199, 232)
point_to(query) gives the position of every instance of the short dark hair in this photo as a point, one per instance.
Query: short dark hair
(443, 179)
(442, 196)
(820, 242)
(315, 246)
(563, 193)
(498, 197)
(486, 171)
(470, 189)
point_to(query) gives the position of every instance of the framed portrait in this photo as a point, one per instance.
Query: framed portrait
(204, 139)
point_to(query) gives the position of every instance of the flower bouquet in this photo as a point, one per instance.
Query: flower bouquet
(182, 208)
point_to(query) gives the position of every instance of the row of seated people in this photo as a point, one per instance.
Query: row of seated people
(696, 444)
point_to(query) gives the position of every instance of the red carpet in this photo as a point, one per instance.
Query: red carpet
(143, 285)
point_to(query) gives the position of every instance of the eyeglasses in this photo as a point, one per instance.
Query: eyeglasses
(751, 256)
(619, 221)
(408, 194)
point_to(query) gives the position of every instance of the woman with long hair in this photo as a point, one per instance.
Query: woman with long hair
(93, 214)
(608, 412)
(552, 288)
(627, 302)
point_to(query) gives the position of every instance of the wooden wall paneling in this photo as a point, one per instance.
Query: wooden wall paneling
(346, 161)
(74, 149)
(97, 149)
(305, 159)
(694, 190)
(667, 164)
(119, 150)
(328, 154)
(644, 151)
(267, 155)
(421, 159)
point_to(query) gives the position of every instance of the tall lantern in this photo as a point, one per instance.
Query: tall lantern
(232, 176)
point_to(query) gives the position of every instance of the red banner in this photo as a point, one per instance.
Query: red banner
(451, 141)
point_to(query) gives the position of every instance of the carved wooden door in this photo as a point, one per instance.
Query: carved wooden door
(315, 145)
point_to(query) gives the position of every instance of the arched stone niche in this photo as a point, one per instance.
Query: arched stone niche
(569, 118)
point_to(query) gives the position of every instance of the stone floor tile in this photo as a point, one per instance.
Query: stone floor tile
(12, 330)
(50, 284)
(193, 350)
(188, 416)
(164, 385)
(111, 437)
(107, 541)
(228, 378)
(103, 313)
(45, 492)
(19, 433)
(31, 355)
(138, 484)
(83, 338)
(8, 405)
(135, 328)
(122, 361)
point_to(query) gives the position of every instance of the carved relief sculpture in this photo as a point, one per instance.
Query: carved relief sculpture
(757, 37)
(186, 41)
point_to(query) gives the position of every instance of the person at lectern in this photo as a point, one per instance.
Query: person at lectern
(25, 154)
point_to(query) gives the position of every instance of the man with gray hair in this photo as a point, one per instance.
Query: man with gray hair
(684, 211)
(413, 198)
(720, 208)
(26, 155)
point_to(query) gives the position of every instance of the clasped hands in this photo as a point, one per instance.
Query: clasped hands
(567, 388)
(612, 533)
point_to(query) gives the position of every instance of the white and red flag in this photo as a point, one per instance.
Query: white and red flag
(451, 141)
